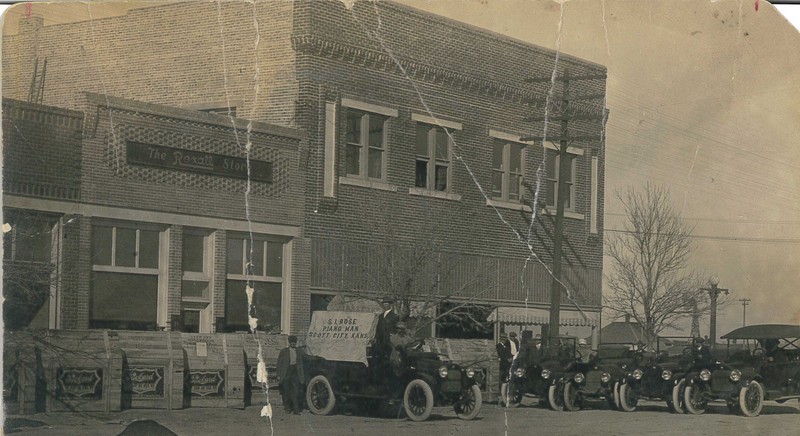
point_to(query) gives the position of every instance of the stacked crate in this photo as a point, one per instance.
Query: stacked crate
(215, 370)
(152, 369)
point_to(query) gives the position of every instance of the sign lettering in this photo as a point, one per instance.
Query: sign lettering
(147, 381)
(341, 335)
(85, 383)
(207, 384)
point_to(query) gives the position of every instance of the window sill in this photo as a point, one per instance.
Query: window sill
(434, 194)
(372, 184)
(507, 205)
(567, 214)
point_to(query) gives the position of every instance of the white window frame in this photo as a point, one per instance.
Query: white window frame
(431, 161)
(365, 147)
(505, 169)
(571, 183)
(201, 304)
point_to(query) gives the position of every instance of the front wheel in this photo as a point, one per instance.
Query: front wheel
(571, 397)
(468, 408)
(555, 397)
(751, 399)
(677, 405)
(694, 400)
(319, 396)
(418, 400)
(613, 399)
(627, 397)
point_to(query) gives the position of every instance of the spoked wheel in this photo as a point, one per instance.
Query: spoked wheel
(418, 400)
(627, 397)
(468, 408)
(694, 400)
(613, 400)
(555, 397)
(319, 396)
(571, 397)
(751, 399)
(677, 405)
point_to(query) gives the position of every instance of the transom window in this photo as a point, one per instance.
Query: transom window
(366, 145)
(196, 283)
(553, 167)
(259, 262)
(433, 158)
(507, 170)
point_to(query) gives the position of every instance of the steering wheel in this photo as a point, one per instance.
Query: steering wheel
(416, 345)
(759, 352)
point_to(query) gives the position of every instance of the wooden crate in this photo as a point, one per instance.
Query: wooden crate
(270, 346)
(82, 372)
(152, 369)
(24, 388)
(215, 370)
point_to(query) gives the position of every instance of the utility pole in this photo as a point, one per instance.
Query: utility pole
(745, 302)
(564, 115)
(714, 292)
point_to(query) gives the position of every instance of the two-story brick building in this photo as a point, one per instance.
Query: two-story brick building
(414, 168)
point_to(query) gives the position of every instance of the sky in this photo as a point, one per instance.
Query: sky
(704, 97)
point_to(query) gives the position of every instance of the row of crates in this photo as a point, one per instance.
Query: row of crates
(108, 370)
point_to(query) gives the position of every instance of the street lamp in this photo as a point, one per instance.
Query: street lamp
(713, 293)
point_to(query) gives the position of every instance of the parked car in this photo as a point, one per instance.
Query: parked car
(424, 380)
(768, 368)
(597, 377)
(539, 365)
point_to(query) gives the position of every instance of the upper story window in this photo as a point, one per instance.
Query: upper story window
(507, 170)
(553, 158)
(366, 145)
(433, 158)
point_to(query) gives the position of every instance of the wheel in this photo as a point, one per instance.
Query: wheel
(694, 400)
(510, 395)
(751, 399)
(614, 400)
(319, 396)
(571, 397)
(555, 397)
(470, 406)
(418, 400)
(627, 397)
(676, 405)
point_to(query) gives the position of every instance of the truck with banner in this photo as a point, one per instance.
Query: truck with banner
(345, 365)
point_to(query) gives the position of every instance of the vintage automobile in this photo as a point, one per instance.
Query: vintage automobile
(539, 365)
(767, 368)
(659, 376)
(342, 370)
(596, 377)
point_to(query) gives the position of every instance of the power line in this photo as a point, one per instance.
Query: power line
(720, 238)
(725, 220)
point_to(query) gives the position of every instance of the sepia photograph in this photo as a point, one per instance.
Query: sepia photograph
(416, 217)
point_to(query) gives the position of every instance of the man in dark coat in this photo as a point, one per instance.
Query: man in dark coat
(291, 376)
(505, 356)
(387, 324)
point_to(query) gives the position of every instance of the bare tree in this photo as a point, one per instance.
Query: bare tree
(650, 278)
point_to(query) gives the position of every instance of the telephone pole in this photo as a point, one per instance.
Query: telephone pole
(565, 111)
(745, 302)
(714, 292)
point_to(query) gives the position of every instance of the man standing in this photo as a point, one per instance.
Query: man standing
(505, 356)
(291, 376)
(387, 322)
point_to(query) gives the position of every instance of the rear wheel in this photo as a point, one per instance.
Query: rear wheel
(555, 397)
(571, 397)
(751, 399)
(694, 399)
(470, 405)
(319, 396)
(418, 400)
(676, 405)
(627, 397)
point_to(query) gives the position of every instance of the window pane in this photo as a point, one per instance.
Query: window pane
(33, 240)
(275, 259)
(550, 164)
(497, 157)
(353, 128)
(442, 145)
(148, 249)
(422, 140)
(551, 193)
(376, 130)
(441, 178)
(375, 163)
(126, 247)
(497, 184)
(515, 158)
(513, 187)
(101, 245)
(197, 289)
(255, 257)
(124, 301)
(235, 250)
(422, 174)
(193, 248)
(353, 159)
(191, 321)
(266, 306)
(568, 169)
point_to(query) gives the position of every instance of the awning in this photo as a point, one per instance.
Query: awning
(536, 316)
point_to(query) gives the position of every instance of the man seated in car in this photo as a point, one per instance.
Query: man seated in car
(772, 351)
(400, 341)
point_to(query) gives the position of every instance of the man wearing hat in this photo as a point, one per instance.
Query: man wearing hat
(506, 357)
(291, 376)
(387, 322)
(399, 341)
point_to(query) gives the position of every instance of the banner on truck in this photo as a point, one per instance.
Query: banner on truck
(341, 336)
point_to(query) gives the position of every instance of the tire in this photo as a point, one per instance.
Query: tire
(469, 408)
(751, 399)
(693, 400)
(570, 397)
(319, 396)
(677, 405)
(627, 397)
(614, 400)
(555, 398)
(418, 400)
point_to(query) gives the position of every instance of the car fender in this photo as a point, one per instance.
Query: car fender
(429, 379)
